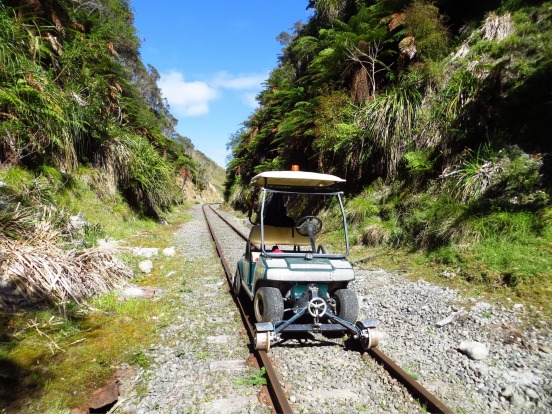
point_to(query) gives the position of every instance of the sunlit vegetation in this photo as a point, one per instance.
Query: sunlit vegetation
(52, 361)
(84, 130)
(74, 93)
(436, 113)
(84, 135)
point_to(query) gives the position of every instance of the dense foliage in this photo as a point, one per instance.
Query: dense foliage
(74, 93)
(436, 112)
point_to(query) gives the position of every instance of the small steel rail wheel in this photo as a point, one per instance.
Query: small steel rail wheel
(268, 305)
(371, 338)
(346, 304)
(262, 341)
(236, 283)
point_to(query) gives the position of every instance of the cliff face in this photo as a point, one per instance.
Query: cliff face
(401, 90)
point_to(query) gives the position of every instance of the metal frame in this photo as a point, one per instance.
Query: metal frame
(313, 192)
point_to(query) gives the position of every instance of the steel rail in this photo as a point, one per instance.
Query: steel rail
(241, 233)
(431, 402)
(277, 395)
(418, 391)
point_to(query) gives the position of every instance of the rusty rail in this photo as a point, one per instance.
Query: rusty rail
(279, 400)
(431, 402)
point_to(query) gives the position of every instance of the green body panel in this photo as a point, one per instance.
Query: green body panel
(253, 265)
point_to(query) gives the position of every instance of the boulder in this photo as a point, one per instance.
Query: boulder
(169, 251)
(474, 350)
(146, 266)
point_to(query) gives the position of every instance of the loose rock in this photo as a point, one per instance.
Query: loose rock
(474, 350)
(146, 266)
(169, 251)
(145, 251)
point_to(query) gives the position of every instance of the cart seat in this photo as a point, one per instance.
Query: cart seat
(278, 235)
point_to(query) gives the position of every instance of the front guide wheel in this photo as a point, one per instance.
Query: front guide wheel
(262, 341)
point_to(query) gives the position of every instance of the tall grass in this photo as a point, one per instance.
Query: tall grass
(477, 172)
(148, 171)
(504, 225)
(361, 207)
(146, 178)
(389, 120)
(430, 221)
(16, 223)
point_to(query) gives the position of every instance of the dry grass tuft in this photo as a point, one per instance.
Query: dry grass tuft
(34, 270)
(374, 234)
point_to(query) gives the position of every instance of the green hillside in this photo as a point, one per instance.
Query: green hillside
(438, 114)
(79, 110)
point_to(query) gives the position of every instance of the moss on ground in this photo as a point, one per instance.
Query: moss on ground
(52, 363)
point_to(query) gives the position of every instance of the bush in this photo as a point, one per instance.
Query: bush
(378, 232)
(432, 221)
(361, 207)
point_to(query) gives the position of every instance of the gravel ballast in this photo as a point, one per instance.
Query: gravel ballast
(424, 327)
(200, 365)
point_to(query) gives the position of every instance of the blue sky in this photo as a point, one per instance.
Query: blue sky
(213, 57)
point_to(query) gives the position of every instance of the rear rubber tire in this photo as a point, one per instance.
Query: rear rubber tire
(268, 305)
(236, 283)
(346, 304)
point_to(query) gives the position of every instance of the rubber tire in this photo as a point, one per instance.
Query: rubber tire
(268, 305)
(346, 304)
(236, 283)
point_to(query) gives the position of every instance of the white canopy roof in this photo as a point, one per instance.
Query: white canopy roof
(295, 179)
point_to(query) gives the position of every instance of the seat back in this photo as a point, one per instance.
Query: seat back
(278, 235)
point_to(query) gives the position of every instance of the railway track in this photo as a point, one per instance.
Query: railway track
(277, 393)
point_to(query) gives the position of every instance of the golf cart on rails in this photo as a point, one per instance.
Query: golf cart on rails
(295, 282)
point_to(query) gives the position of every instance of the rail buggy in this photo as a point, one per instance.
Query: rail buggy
(292, 270)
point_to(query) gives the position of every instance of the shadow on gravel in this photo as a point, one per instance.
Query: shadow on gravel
(352, 344)
(305, 340)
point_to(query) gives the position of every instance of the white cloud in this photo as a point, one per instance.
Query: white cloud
(250, 99)
(240, 82)
(186, 98)
(193, 98)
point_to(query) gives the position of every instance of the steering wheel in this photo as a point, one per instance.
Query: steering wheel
(309, 225)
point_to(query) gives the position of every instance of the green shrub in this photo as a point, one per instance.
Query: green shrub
(432, 221)
(389, 122)
(19, 179)
(361, 207)
(419, 161)
(521, 179)
(424, 22)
